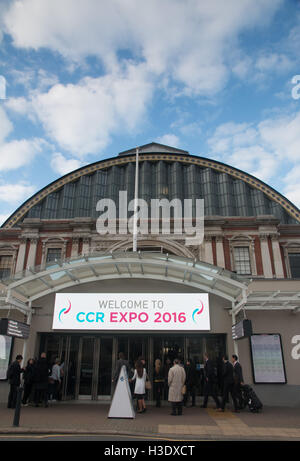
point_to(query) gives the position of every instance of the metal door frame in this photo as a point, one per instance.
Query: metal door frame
(96, 355)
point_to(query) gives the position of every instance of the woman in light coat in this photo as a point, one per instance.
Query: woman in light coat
(176, 380)
(140, 376)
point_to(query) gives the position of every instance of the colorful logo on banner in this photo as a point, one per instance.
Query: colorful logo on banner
(64, 311)
(197, 311)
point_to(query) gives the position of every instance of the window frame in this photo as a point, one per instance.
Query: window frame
(243, 241)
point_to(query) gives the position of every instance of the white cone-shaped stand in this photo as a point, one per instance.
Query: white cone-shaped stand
(121, 405)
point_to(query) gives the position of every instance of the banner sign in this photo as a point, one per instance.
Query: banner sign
(131, 311)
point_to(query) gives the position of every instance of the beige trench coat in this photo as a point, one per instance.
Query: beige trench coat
(176, 380)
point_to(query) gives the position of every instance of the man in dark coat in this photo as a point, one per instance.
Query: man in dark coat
(41, 380)
(228, 385)
(191, 382)
(238, 379)
(209, 382)
(14, 376)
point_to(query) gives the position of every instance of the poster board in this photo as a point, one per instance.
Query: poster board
(5, 353)
(267, 359)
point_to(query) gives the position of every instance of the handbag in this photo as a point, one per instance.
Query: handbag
(148, 385)
(183, 390)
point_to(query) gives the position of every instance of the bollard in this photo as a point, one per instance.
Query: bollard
(18, 407)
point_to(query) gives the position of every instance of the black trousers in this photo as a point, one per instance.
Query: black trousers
(190, 392)
(41, 394)
(176, 408)
(27, 392)
(228, 388)
(210, 390)
(12, 396)
(238, 394)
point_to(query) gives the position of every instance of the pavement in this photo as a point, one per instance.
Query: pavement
(90, 418)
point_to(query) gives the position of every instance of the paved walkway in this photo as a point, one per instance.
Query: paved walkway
(157, 423)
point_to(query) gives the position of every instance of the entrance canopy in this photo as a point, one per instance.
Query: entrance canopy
(34, 283)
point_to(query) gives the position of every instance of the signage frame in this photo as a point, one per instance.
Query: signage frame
(282, 355)
(4, 328)
(244, 336)
(92, 312)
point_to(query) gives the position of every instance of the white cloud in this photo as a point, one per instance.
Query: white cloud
(292, 192)
(19, 105)
(292, 185)
(258, 150)
(169, 140)
(14, 193)
(82, 118)
(189, 42)
(62, 165)
(18, 153)
(282, 134)
(269, 150)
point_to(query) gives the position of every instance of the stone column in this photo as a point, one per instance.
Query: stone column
(220, 251)
(21, 256)
(266, 259)
(208, 257)
(277, 257)
(85, 245)
(75, 243)
(32, 252)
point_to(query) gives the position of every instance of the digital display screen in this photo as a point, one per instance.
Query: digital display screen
(5, 350)
(267, 359)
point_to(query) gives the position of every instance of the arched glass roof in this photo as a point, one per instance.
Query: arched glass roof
(164, 172)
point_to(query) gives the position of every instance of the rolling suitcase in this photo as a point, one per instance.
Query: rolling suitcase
(251, 399)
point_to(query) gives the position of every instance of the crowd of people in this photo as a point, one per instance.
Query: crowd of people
(41, 382)
(178, 382)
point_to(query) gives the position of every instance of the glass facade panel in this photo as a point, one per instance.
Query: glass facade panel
(223, 194)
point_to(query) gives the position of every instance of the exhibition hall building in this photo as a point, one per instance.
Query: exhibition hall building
(104, 260)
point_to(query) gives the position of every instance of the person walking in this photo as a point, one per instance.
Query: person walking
(176, 380)
(228, 384)
(140, 376)
(28, 377)
(238, 379)
(55, 380)
(158, 382)
(209, 382)
(191, 382)
(14, 376)
(41, 380)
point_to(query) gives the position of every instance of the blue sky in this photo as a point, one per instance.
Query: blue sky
(87, 79)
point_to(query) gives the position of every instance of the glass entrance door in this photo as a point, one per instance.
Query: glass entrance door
(105, 368)
(86, 368)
